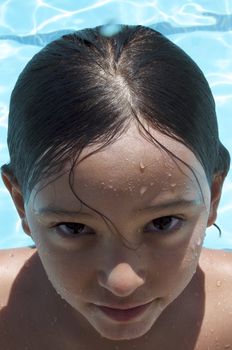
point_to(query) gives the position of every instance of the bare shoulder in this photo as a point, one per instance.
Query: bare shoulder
(27, 301)
(11, 262)
(18, 252)
(217, 268)
(11, 259)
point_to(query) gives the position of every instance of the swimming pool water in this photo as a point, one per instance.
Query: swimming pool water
(201, 28)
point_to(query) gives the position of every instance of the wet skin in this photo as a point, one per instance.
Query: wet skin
(134, 260)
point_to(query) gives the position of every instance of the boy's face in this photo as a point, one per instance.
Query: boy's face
(96, 266)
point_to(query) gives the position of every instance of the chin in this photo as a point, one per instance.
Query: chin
(123, 331)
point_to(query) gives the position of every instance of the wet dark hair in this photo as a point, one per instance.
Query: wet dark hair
(85, 88)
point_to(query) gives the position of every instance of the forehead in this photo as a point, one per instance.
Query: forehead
(133, 158)
(129, 168)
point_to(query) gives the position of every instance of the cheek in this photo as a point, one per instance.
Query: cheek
(71, 277)
(176, 264)
(174, 276)
(69, 273)
(67, 266)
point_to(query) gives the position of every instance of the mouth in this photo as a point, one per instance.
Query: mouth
(124, 314)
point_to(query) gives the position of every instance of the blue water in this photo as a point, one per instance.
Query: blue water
(202, 29)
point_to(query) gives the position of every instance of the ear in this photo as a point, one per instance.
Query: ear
(17, 197)
(216, 191)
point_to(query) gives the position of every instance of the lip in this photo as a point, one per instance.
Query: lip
(124, 314)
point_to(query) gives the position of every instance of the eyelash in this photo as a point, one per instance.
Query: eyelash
(71, 235)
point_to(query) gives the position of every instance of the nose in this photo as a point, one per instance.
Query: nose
(122, 280)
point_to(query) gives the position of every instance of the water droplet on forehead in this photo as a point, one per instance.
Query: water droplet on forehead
(219, 283)
(143, 189)
(142, 166)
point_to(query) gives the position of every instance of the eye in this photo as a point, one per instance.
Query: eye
(165, 224)
(72, 229)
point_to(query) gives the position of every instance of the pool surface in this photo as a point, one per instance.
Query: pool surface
(202, 29)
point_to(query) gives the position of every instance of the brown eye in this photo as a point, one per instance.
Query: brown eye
(72, 229)
(165, 224)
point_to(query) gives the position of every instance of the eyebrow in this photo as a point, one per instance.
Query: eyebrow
(177, 203)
